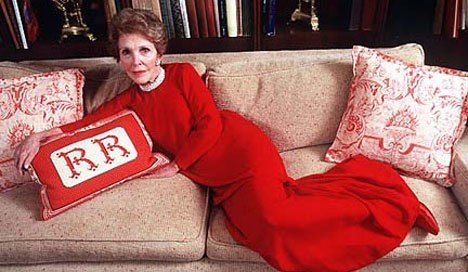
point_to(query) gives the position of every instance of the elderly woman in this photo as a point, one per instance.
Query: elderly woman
(341, 220)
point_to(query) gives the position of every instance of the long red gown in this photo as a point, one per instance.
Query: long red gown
(340, 220)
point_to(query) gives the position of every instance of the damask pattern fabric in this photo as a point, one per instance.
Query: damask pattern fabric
(406, 115)
(78, 165)
(32, 104)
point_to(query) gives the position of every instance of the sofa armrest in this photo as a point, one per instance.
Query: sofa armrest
(460, 189)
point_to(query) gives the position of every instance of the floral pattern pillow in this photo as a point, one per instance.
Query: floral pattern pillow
(32, 104)
(408, 116)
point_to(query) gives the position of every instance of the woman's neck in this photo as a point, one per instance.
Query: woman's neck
(147, 87)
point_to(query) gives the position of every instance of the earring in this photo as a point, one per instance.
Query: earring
(158, 62)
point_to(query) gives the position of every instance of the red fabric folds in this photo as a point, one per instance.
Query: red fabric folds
(340, 220)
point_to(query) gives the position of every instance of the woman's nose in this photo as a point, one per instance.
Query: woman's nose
(136, 60)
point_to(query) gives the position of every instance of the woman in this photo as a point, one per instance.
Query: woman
(337, 221)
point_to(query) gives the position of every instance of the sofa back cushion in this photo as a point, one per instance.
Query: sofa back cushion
(297, 101)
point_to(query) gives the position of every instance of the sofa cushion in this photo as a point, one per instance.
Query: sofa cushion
(296, 101)
(212, 60)
(451, 243)
(405, 115)
(31, 104)
(10, 69)
(143, 219)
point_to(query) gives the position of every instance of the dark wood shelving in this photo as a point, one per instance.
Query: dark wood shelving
(55, 50)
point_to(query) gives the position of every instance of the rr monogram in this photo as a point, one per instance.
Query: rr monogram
(77, 155)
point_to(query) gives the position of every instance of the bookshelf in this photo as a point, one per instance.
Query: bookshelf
(394, 24)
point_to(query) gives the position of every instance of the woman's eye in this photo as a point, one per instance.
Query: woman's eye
(124, 52)
(145, 50)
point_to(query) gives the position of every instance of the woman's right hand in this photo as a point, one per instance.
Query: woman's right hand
(27, 150)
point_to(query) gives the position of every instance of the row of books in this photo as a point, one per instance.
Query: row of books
(18, 23)
(364, 14)
(450, 16)
(194, 18)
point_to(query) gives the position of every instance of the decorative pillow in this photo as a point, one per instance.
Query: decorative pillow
(408, 116)
(77, 166)
(32, 104)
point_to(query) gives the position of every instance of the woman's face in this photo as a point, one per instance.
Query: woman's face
(139, 57)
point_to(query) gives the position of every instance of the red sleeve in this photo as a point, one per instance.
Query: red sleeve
(107, 109)
(207, 120)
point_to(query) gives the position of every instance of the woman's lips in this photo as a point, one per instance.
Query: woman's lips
(138, 73)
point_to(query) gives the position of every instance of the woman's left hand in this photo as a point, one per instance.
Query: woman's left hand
(166, 171)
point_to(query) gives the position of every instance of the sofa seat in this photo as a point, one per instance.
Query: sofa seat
(450, 244)
(143, 219)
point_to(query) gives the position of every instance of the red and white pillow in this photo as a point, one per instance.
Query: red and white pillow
(408, 116)
(78, 165)
(32, 104)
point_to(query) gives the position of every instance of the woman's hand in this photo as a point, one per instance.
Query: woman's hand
(166, 171)
(27, 150)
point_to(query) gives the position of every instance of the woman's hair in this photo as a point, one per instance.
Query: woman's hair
(144, 22)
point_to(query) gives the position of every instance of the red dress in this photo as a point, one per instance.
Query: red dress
(340, 220)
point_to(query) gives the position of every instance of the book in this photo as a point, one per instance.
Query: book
(185, 20)
(263, 15)
(381, 16)
(30, 21)
(5, 36)
(247, 18)
(239, 17)
(109, 11)
(222, 18)
(466, 12)
(231, 17)
(10, 24)
(452, 22)
(438, 22)
(192, 17)
(166, 14)
(463, 15)
(369, 9)
(270, 26)
(19, 21)
(216, 13)
(210, 18)
(202, 20)
(156, 8)
(177, 18)
(355, 16)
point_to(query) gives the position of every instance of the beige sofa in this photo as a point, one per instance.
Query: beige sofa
(297, 97)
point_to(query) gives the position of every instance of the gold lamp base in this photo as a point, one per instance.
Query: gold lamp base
(73, 24)
(307, 12)
(77, 31)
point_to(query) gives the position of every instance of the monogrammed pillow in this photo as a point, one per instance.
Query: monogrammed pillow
(406, 115)
(32, 104)
(78, 165)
